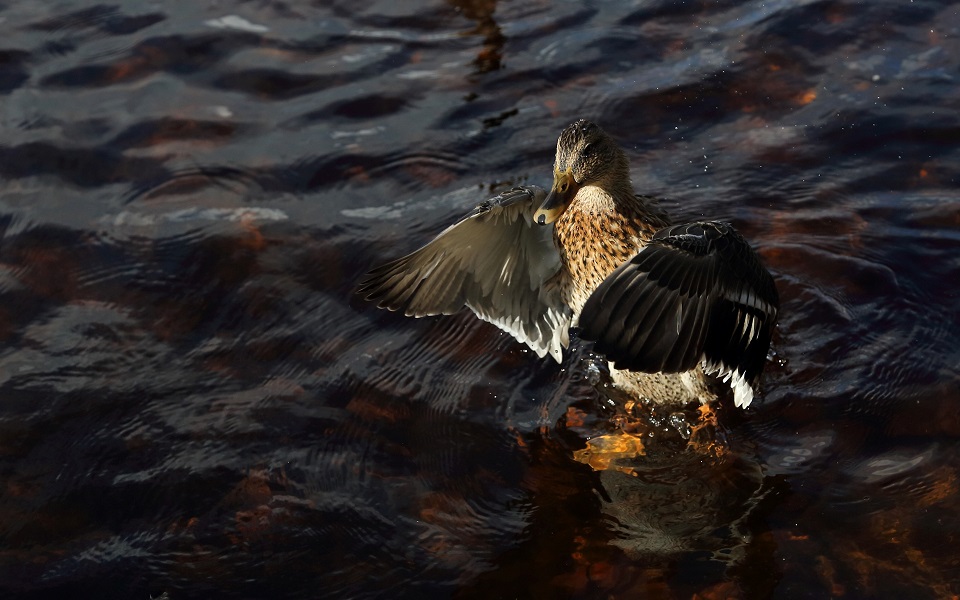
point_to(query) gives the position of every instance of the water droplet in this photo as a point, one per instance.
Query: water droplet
(593, 373)
(678, 421)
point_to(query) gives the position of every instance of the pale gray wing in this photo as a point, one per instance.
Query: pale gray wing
(497, 262)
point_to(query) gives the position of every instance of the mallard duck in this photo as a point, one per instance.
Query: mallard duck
(674, 308)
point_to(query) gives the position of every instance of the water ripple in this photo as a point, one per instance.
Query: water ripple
(191, 391)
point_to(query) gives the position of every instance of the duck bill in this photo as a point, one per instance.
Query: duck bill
(557, 201)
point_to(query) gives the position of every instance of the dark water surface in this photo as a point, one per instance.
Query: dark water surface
(192, 401)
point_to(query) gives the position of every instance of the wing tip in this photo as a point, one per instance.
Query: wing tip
(744, 389)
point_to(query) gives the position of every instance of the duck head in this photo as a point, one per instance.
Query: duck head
(586, 156)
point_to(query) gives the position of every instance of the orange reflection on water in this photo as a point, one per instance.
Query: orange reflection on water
(605, 451)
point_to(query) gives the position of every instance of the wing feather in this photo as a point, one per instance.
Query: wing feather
(496, 262)
(696, 293)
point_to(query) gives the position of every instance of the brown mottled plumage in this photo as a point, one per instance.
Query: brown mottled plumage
(669, 305)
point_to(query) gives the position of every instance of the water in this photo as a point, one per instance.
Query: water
(192, 401)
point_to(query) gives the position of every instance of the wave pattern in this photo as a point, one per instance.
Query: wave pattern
(193, 402)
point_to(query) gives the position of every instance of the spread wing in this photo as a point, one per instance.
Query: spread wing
(696, 293)
(497, 262)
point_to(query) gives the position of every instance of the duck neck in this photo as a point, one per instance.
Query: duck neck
(616, 204)
(596, 234)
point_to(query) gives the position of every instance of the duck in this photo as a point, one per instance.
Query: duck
(678, 310)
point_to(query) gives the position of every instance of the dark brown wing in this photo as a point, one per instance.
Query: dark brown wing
(696, 293)
(495, 261)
